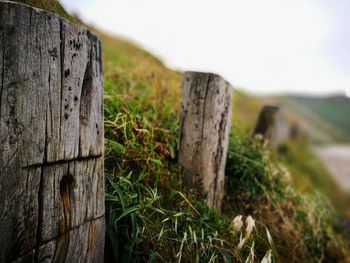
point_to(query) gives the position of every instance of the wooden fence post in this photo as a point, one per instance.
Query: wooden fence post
(266, 124)
(51, 139)
(205, 123)
(276, 126)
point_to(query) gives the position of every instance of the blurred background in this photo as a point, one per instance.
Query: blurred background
(272, 46)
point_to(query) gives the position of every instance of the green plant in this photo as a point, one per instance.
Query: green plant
(144, 226)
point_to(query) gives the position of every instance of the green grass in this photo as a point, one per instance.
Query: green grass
(146, 197)
(310, 174)
(141, 110)
(302, 224)
(53, 6)
(150, 216)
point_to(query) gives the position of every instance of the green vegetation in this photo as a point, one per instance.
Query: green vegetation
(259, 184)
(245, 110)
(151, 217)
(53, 6)
(312, 174)
(150, 214)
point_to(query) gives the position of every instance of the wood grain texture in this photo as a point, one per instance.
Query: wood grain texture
(80, 241)
(51, 138)
(205, 122)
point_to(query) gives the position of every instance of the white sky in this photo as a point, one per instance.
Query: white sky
(262, 46)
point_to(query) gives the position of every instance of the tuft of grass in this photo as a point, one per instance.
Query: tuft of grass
(301, 225)
(145, 225)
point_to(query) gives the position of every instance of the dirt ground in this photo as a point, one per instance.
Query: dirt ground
(337, 160)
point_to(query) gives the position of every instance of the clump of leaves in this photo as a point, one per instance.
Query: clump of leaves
(144, 226)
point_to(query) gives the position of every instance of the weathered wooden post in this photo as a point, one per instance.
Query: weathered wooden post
(205, 123)
(276, 126)
(51, 139)
(266, 124)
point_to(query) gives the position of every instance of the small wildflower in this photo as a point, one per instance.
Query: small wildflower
(285, 172)
(195, 237)
(250, 225)
(241, 242)
(237, 223)
(161, 233)
(258, 137)
(267, 258)
(269, 237)
(251, 256)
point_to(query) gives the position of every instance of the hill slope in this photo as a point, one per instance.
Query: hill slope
(142, 100)
(326, 119)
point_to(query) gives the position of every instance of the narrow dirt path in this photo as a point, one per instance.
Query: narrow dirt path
(337, 160)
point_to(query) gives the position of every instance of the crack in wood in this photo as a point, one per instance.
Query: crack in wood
(218, 156)
(48, 114)
(205, 105)
(3, 66)
(92, 157)
(40, 213)
(40, 244)
(46, 137)
(10, 159)
(62, 47)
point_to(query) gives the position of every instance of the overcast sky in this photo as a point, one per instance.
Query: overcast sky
(262, 46)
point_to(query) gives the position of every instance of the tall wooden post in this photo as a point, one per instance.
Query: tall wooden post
(51, 139)
(205, 123)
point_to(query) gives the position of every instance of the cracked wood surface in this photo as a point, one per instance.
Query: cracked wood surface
(205, 123)
(51, 139)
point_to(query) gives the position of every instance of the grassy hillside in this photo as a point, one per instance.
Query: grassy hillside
(150, 214)
(152, 217)
(334, 109)
(325, 118)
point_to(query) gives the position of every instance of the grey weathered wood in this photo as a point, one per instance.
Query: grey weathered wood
(204, 132)
(276, 126)
(266, 124)
(51, 139)
(82, 241)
